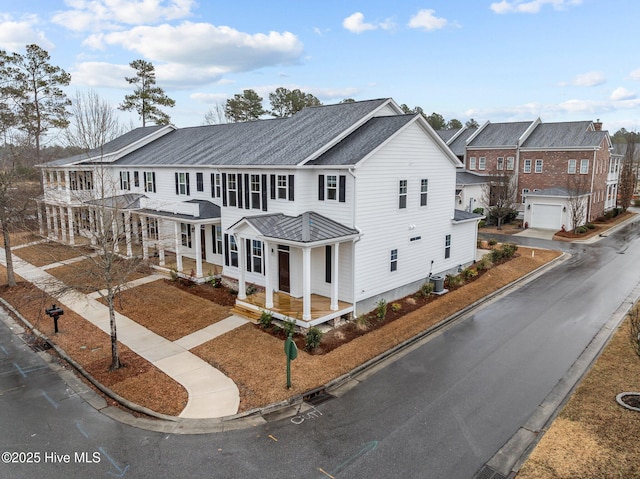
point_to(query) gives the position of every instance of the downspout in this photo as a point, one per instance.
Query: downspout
(353, 245)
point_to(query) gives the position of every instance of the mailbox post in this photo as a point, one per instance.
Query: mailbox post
(55, 313)
(291, 350)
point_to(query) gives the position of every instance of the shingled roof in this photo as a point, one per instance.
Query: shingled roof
(497, 135)
(570, 134)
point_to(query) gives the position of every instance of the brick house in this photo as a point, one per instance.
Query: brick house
(551, 163)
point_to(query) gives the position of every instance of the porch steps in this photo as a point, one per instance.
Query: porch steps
(251, 314)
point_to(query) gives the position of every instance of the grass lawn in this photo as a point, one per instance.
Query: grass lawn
(594, 437)
(50, 252)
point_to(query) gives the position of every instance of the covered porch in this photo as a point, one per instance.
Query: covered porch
(307, 266)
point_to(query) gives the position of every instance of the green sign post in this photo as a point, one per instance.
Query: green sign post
(291, 351)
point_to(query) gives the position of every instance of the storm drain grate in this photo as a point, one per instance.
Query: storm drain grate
(318, 397)
(37, 344)
(487, 473)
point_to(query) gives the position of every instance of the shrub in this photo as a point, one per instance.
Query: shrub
(426, 289)
(395, 307)
(469, 273)
(509, 249)
(381, 309)
(493, 242)
(251, 289)
(481, 223)
(313, 338)
(484, 263)
(289, 326)
(173, 275)
(266, 319)
(454, 280)
(581, 230)
(590, 226)
(479, 211)
(496, 255)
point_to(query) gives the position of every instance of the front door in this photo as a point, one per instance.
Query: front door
(283, 269)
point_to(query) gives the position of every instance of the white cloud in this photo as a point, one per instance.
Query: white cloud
(15, 34)
(621, 94)
(86, 15)
(426, 20)
(223, 48)
(635, 74)
(209, 98)
(531, 6)
(593, 78)
(355, 24)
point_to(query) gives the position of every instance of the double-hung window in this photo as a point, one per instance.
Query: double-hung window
(185, 231)
(584, 167)
(511, 161)
(472, 163)
(332, 187)
(199, 182)
(232, 187)
(482, 163)
(256, 255)
(571, 168)
(282, 187)
(255, 192)
(393, 260)
(136, 179)
(538, 166)
(402, 194)
(149, 181)
(500, 163)
(233, 251)
(526, 167)
(217, 239)
(182, 183)
(447, 246)
(424, 190)
(124, 180)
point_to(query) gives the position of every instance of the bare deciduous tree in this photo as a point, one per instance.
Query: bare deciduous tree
(500, 193)
(577, 189)
(627, 182)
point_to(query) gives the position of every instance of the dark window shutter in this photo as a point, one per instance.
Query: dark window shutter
(248, 255)
(153, 176)
(144, 176)
(128, 180)
(321, 187)
(264, 192)
(273, 187)
(343, 188)
(121, 185)
(327, 264)
(226, 248)
(291, 187)
(239, 187)
(224, 189)
(177, 186)
(187, 180)
(213, 185)
(247, 192)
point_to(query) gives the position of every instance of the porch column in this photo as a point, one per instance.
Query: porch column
(47, 214)
(59, 180)
(92, 225)
(134, 229)
(334, 278)
(67, 186)
(40, 225)
(198, 234)
(114, 234)
(71, 225)
(242, 291)
(178, 244)
(268, 289)
(127, 232)
(54, 212)
(306, 284)
(63, 224)
(143, 227)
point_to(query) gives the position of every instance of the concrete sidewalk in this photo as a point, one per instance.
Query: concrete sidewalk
(211, 393)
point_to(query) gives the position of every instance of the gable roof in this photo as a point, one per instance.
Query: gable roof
(309, 227)
(570, 134)
(499, 135)
(362, 141)
(111, 147)
(282, 142)
(465, 177)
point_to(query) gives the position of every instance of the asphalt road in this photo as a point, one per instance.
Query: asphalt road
(441, 410)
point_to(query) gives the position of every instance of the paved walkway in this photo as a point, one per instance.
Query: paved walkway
(211, 393)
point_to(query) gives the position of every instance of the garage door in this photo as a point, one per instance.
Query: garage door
(546, 216)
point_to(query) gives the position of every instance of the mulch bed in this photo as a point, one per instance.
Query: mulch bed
(632, 400)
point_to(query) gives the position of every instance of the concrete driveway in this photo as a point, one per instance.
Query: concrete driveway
(537, 233)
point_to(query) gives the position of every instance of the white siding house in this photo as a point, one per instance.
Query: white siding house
(325, 212)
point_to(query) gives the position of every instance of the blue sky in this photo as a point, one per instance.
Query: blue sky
(497, 60)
